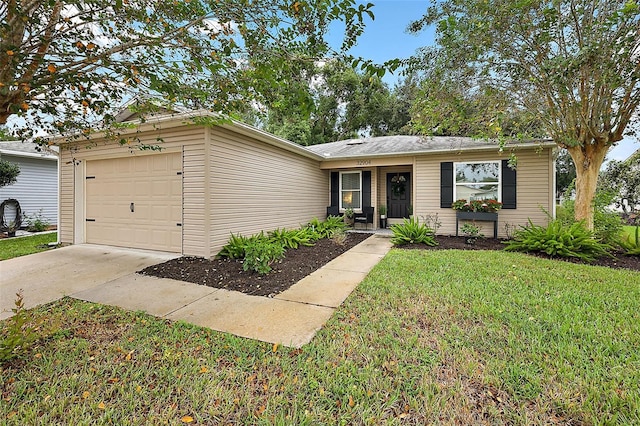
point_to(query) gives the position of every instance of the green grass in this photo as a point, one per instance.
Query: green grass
(21, 246)
(429, 337)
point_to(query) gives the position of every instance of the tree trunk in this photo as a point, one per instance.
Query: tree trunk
(588, 159)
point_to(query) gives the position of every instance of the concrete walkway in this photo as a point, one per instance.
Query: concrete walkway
(291, 318)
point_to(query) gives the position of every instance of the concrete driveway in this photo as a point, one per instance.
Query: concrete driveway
(106, 275)
(48, 276)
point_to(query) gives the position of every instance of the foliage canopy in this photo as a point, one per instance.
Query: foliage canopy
(571, 64)
(64, 64)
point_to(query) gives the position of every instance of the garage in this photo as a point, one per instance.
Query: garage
(135, 201)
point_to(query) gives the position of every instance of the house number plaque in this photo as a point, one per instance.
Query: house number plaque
(364, 162)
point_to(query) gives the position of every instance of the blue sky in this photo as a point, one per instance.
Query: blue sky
(386, 38)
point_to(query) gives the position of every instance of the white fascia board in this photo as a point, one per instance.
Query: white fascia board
(28, 154)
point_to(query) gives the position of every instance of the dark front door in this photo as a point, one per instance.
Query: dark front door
(398, 194)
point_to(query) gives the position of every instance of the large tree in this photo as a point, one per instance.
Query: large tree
(334, 102)
(573, 64)
(64, 64)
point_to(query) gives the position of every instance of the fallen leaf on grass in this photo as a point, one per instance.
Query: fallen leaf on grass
(352, 403)
(203, 369)
(187, 419)
(102, 406)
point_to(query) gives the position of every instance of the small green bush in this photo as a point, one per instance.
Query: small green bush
(235, 248)
(412, 232)
(631, 243)
(558, 239)
(327, 228)
(607, 224)
(291, 238)
(37, 222)
(17, 337)
(260, 253)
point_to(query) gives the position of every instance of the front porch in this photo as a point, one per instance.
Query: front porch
(388, 189)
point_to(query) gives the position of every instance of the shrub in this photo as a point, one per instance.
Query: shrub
(558, 239)
(432, 222)
(260, 253)
(631, 243)
(17, 336)
(291, 238)
(607, 224)
(471, 232)
(339, 237)
(327, 228)
(37, 222)
(412, 232)
(235, 248)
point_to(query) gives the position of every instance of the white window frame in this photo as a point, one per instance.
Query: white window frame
(455, 182)
(340, 190)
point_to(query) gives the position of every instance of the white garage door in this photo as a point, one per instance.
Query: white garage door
(135, 202)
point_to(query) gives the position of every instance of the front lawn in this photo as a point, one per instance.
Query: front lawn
(445, 336)
(21, 246)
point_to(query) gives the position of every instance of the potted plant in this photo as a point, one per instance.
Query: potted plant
(349, 214)
(383, 216)
(471, 233)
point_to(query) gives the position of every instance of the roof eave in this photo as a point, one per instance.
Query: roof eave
(545, 144)
(180, 119)
(28, 154)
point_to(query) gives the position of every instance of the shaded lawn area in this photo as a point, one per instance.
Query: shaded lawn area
(21, 246)
(445, 336)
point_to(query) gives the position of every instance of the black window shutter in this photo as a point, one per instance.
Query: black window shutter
(446, 185)
(508, 186)
(366, 189)
(335, 190)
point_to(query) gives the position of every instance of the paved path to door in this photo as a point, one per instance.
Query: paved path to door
(107, 275)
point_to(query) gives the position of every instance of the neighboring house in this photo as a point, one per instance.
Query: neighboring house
(209, 181)
(37, 185)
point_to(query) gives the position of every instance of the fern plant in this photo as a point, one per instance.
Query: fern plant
(291, 238)
(235, 248)
(559, 240)
(412, 232)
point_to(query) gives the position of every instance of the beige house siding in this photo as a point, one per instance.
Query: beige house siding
(72, 166)
(66, 198)
(534, 189)
(194, 201)
(231, 184)
(255, 187)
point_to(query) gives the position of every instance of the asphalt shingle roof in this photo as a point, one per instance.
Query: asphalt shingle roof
(399, 145)
(24, 147)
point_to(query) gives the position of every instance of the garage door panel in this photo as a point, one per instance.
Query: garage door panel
(153, 183)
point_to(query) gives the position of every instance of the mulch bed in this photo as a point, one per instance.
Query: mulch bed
(228, 274)
(297, 264)
(619, 260)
